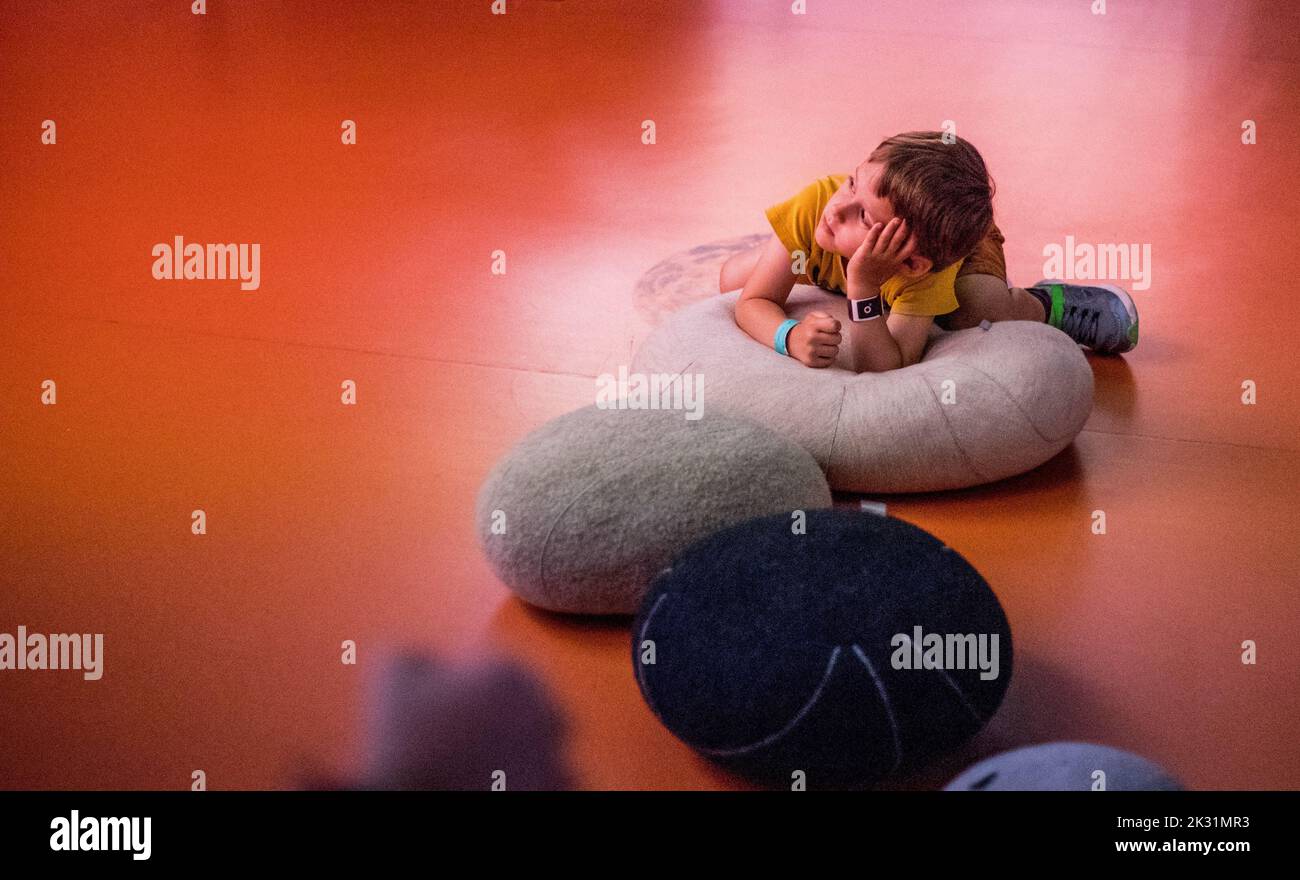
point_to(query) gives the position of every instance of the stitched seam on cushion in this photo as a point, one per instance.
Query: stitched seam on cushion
(790, 725)
(961, 695)
(546, 542)
(889, 709)
(951, 433)
(830, 455)
(640, 667)
(683, 370)
(1014, 403)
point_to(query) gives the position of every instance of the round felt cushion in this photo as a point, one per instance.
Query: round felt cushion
(584, 511)
(773, 651)
(981, 405)
(1064, 766)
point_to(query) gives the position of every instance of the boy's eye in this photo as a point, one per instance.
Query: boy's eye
(863, 216)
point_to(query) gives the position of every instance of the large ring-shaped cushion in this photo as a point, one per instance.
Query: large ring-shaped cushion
(981, 405)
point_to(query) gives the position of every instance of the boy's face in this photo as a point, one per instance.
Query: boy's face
(852, 211)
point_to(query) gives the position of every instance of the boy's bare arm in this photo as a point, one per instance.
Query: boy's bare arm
(911, 332)
(898, 341)
(879, 346)
(761, 309)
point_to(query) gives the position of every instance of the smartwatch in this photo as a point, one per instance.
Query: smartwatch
(867, 309)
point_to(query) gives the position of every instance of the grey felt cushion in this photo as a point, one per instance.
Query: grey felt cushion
(1020, 391)
(597, 502)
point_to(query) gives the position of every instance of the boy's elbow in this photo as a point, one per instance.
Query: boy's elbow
(878, 365)
(880, 368)
(738, 314)
(881, 358)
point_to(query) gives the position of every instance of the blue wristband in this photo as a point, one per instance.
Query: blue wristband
(781, 333)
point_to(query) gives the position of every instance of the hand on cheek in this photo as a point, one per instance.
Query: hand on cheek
(881, 255)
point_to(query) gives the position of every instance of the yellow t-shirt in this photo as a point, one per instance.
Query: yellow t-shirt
(795, 221)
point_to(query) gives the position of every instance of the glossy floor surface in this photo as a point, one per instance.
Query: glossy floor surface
(522, 133)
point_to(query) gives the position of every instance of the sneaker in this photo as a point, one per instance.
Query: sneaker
(1101, 317)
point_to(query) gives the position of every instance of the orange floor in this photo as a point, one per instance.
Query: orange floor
(522, 133)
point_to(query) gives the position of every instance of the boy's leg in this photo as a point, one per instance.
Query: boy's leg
(983, 293)
(736, 271)
(987, 298)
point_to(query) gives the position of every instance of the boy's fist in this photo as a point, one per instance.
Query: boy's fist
(815, 340)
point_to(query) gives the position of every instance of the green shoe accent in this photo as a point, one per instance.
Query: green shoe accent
(1133, 335)
(1058, 306)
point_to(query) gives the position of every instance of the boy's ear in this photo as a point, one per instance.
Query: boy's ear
(916, 265)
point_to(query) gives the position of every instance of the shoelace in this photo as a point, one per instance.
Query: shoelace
(1081, 324)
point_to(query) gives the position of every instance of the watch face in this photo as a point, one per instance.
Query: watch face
(864, 309)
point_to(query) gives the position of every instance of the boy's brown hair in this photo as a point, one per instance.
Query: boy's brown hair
(942, 190)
